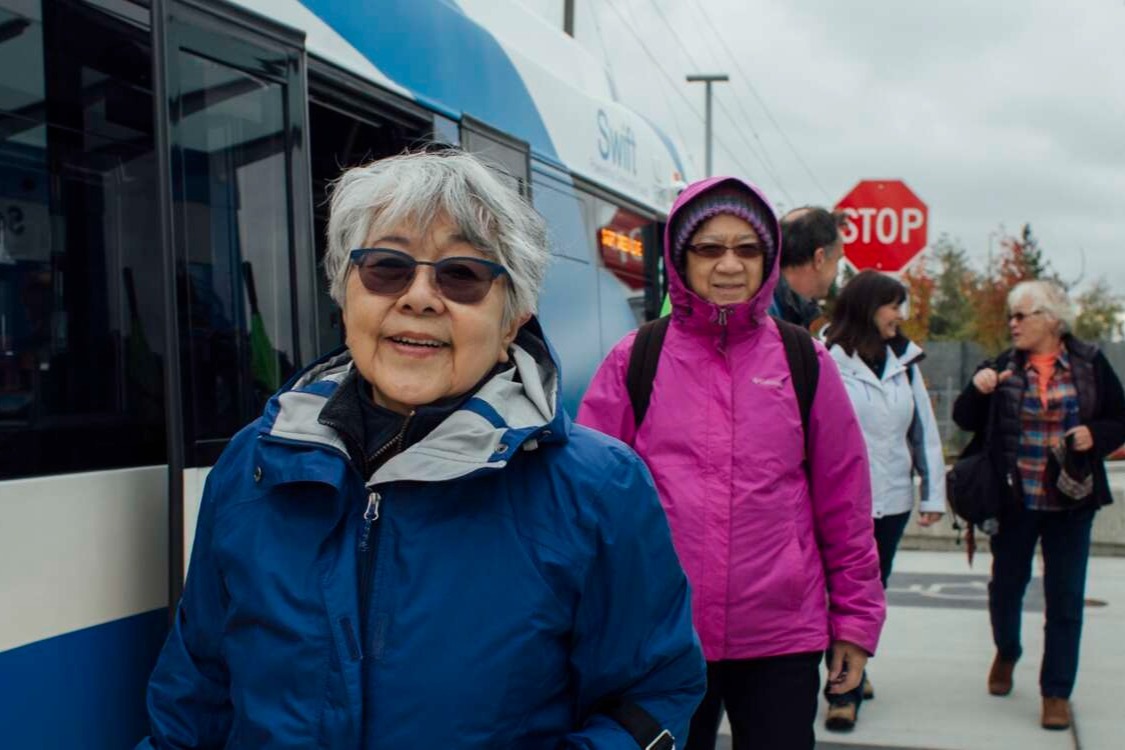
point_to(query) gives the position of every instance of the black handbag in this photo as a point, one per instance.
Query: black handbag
(974, 486)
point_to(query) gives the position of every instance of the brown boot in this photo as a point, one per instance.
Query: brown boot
(1056, 713)
(841, 717)
(1000, 676)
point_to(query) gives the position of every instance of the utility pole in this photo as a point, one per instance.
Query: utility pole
(708, 79)
(568, 17)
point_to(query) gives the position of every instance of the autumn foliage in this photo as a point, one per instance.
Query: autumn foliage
(920, 290)
(949, 300)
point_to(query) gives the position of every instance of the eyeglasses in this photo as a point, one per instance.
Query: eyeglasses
(1019, 317)
(712, 250)
(389, 273)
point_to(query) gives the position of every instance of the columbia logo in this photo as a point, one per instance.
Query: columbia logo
(767, 382)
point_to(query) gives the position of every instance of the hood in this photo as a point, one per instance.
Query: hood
(688, 304)
(517, 409)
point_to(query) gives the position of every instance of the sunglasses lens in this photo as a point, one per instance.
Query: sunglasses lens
(715, 250)
(386, 275)
(390, 272)
(708, 251)
(463, 280)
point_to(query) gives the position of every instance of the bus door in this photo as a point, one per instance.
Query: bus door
(351, 123)
(237, 232)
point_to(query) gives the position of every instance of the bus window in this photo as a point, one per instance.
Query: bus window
(624, 275)
(231, 199)
(340, 139)
(567, 214)
(81, 322)
(508, 155)
(568, 304)
(446, 131)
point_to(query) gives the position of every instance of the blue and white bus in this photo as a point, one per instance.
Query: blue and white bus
(163, 173)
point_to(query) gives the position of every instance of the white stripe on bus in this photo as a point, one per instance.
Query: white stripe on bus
(79, 550)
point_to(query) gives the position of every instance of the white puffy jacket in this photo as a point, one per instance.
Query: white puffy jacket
(899, 429)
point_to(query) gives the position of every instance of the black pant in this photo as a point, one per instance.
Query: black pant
(888, 533)
(1065, 537)
(771, 703)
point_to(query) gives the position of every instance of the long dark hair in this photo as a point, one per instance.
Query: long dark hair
(853, 316)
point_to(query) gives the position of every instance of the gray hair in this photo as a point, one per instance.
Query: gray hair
(419, 186)
(1047, 297)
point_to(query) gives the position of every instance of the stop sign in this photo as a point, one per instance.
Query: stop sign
(886, 225)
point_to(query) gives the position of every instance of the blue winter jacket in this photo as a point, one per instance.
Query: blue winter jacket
(521, 573)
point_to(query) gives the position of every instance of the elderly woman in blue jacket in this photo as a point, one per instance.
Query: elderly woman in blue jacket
(414, 546)
(879, 367)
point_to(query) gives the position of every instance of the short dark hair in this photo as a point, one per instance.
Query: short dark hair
(803, 230)
(853, 314)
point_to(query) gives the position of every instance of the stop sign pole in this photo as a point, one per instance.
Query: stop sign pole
(886, 225)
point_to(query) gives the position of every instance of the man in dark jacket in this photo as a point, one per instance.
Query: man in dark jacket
(811, 248)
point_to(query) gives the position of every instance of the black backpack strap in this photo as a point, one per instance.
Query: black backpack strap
(643, 360)
(804, 368)
(640, 724)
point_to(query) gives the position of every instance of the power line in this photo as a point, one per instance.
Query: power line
(761, 102)
(672, 84)
(656, 63)
(605, 57)
(764, 161)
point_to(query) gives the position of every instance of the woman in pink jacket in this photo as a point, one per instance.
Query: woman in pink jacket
(778, 545)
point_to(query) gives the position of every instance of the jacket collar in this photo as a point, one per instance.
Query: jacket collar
(793, 307)
(1062, 359)
(852, 365)
(695, 313)
(1075, 348)
(517, 409)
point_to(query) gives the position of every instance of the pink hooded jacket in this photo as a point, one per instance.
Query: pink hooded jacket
(780, 561)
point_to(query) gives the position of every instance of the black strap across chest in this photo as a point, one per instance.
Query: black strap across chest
(804, 368)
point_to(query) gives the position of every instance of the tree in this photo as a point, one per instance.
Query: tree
(1020, 259)
(920, 291)
(1026, 257)
(1100, 313)
(952, 315)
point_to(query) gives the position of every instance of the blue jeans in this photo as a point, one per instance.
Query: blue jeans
(1065, 537)
(888, 533)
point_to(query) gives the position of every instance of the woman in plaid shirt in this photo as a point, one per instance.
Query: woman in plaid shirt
(1060, 412)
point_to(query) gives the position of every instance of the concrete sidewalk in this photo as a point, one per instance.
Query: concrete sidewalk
(930, 673)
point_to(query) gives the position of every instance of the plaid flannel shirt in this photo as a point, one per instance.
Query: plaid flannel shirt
(1041, 428)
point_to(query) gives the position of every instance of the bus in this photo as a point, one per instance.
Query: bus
(164, 166)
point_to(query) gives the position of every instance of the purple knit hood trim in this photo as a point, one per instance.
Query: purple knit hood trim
(681, 221)
(725, 199)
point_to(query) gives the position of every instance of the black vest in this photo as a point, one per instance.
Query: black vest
(1007, 428)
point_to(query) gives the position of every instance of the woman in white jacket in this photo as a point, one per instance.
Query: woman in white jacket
(879, 367)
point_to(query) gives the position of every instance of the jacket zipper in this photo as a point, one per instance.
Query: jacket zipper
(368, 548)
(395, 442)
(723, 313)
(369, 536)
(370, 516)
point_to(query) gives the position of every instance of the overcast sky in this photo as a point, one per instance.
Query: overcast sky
(995, 113)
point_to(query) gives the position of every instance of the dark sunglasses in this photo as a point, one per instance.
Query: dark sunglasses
(1020, 317)
(387, 272)
(712, 250)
